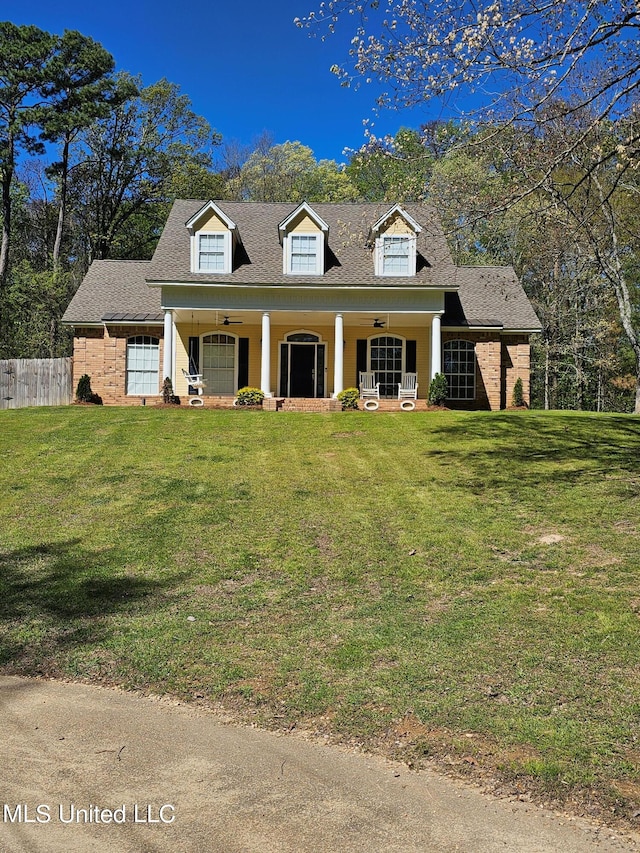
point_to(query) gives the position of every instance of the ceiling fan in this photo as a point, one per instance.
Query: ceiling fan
(228, 322)
(377, 323)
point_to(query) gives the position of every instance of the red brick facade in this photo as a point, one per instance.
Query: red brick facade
(102, 354)
(500, 360)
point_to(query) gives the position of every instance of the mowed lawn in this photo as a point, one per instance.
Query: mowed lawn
(456, 586)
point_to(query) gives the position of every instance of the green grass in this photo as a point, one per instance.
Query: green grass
(383, 579)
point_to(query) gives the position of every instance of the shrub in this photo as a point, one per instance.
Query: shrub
(349, 398)
(167, 393)
(518, 393)
(249, 397)
(438, 390)
(84, 394)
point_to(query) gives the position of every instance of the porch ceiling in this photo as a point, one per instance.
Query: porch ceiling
(305, 319)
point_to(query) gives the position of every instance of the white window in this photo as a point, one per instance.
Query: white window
(219, 363)
(304, 254)
(143, 359)
(396, 255)
(211, 252)
(460, 369)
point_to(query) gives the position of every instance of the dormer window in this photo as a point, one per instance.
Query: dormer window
(303, 235)
(396, 254)
(394, 239)
(213, 236)
(304, 254)
(211, 253)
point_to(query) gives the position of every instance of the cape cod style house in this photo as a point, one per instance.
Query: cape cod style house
(298, 300)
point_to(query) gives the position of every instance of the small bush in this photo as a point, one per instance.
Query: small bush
(84, 394)
(168, 396)
(349, 398)
(249, 397)
(518, 393)
(438, 390)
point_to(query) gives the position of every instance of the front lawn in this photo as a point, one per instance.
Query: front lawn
(461, 587)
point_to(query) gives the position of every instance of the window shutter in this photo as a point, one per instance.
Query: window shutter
(410, 357)
(194, 360)
(243, 362)
(361, 359)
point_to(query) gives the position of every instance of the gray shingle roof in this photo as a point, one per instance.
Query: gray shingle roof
(489, 296)
(116, 288)
(349, 261)
(118, 291)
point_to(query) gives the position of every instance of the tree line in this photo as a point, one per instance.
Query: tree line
(91, 160)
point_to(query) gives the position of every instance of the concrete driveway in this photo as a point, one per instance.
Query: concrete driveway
(90, 769)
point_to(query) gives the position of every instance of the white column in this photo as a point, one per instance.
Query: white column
(265, 369)
(436, 346)
(338, 356)
(167, 361)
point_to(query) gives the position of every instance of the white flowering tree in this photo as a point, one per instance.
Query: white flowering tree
(515, 54)
(527, 67)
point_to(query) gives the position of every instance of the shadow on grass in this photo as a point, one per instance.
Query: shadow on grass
(538, 450)
(57, 596)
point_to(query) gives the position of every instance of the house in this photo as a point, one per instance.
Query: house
(297, 300)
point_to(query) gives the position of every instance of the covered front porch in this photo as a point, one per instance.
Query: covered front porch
(299, 355)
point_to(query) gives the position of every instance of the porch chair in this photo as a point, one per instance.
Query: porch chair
(369, 388)
(194, 380)
(408, 388)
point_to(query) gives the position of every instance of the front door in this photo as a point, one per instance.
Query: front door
(302, 367)
(302, 372)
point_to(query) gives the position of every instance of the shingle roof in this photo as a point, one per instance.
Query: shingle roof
(489, 297)
(348, 258)
(114, 290)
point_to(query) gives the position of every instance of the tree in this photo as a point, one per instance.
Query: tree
(525, 53)
(288, 172)
(125, 166)
(392, 169)
(25, 54)
(80, 88)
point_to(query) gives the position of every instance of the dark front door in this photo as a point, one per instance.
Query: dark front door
(302, 376)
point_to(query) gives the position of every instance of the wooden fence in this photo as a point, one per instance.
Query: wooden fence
(35, 382)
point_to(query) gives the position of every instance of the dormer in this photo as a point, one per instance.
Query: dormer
(213, 237)
(303, 236)
(394, 238)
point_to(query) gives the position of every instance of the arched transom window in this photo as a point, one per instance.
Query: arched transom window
(219, 363)
(386, 360)
(143, 358)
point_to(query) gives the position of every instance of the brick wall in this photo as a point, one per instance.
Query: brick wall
(488, 369)
(516, 363)
(102, 354)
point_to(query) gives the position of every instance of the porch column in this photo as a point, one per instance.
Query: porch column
(436, 346)
(265, 369)
(167, 361)
(338, 356)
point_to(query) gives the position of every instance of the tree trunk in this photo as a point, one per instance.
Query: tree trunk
(7, 177)
(63, 203)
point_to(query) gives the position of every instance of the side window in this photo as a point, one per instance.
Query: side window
(460, 369)
(143, 360)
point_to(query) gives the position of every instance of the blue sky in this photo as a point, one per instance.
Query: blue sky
(246, 67)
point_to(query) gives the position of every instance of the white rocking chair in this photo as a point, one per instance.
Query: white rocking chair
(194, 380)
(408, 388)
(369, 388)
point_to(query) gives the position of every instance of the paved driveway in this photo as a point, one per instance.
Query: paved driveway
(90, 769)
